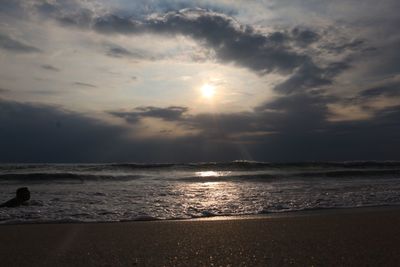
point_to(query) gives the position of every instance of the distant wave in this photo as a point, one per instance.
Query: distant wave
(237, 170)
(64, 176)
(239, 164)
(248, 165)
(348, 173)
(249, 176)
(317, 174)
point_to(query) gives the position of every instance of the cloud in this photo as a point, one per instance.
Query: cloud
(299, 124)
(311, 76)
(305, 37)
(173, 113)
(344, 46)
(390, 89)
(12, 8)
(2, 90)
(291, 128)
(50, 68)
(368, 103)
(231, 42)
(10, 44)
(280, 51)
(303, 112)
(113, 50)
(85, 84)
(42, 133)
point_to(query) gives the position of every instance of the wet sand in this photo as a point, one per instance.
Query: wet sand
(357, 237)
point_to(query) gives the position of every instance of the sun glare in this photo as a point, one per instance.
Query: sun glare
(207, 90)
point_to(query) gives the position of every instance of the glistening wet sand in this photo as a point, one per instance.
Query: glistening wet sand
(357, 237)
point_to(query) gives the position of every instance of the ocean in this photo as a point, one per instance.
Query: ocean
(129, 192)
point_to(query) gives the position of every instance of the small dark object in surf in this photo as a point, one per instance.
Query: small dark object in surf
(22, 196)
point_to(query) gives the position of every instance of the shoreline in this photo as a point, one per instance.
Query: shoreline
(347, 237)
(271, 215)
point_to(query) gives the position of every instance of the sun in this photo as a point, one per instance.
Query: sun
(208, 90)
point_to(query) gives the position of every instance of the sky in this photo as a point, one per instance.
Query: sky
(189, 81)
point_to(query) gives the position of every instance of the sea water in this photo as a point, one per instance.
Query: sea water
(124, 192)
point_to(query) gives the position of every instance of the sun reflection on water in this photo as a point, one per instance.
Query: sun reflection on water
(209, 174)
(209, 197)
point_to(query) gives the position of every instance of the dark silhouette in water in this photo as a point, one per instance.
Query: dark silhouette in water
(22, 196)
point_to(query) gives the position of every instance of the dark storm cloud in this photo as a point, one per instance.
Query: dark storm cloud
(296, 113)
(389, 89)
(305, 37)
(162, 6)
(206, 123)
(85, 84)
(12, 45)
(221, 126)
(50, 68)
(231, 42)
(304, 128)
(47, 9)
(293, 127)
(341, 47)
(385, 92)
(173, 113)
(310, 76)
(40, 133)
(301, 111)
(120, 52)
(81, 19)
(12, 8)
(384, 61)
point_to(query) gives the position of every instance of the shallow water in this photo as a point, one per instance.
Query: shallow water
(118, 192)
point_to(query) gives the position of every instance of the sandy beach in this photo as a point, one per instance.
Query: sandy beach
(356, 237)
